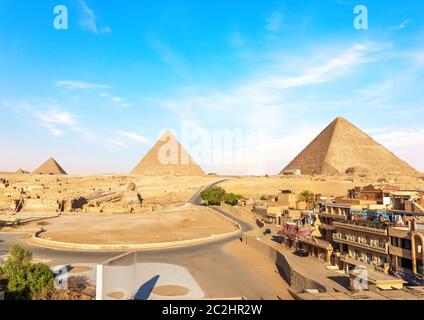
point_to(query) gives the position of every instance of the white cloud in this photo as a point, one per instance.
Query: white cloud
(51, 116)
(170, 57)
(420, 59)
(332, 68)
(134, 136)
(274, 22)
(117, 99)
(106, 30)
(80, 85)
(401, 26)
(407, 143)
(56, 132)
(89, 20)
(116, 143)
(266, 90)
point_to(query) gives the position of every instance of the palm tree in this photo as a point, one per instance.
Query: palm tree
(308, 197)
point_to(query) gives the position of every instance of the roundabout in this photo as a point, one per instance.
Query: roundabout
(177, 227)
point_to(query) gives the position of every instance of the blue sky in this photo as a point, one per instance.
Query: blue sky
(96, 96)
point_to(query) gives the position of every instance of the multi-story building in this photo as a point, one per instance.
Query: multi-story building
(407, 250)
(362, 243)
(381, 194)
(412, 201)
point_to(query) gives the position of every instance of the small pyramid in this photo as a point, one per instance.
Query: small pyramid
(22, 171)
(342, 147)
(50, 167)
(168, 157)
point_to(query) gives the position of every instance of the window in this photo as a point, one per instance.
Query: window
(393, 241)
(406, 244)
(357, 253)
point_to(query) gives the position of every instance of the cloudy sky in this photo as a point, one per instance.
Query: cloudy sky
(97, 95)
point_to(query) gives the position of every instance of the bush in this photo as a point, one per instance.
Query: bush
(215, 195)
(25, 280)
(18, 222)
(39, 278)
(232, 199)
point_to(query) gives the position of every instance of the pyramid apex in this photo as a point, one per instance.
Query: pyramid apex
(166, 134)
(340, 119)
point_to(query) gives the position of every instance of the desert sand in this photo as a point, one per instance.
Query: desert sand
(177, 224)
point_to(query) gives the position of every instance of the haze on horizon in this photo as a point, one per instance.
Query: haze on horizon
(97, 96)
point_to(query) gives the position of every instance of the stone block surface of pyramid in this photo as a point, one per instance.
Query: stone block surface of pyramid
(341, 147)
(21, 171)
(50, 167)
(168, 157)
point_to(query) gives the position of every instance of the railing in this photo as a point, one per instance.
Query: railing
(341, 239)
(371, 228)
(349, 258)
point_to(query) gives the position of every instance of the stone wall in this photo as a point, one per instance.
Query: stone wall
(296, 280)
(41, 205)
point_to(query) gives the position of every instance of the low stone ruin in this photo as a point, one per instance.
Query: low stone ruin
(4, 183)
(127, 201)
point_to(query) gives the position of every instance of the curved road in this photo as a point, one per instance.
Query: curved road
(197, 200)
(219, 274)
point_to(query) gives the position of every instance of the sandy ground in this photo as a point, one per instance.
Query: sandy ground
(325, 185)
(170, 291)
(178, 224)
(260, 265)
(160, 188)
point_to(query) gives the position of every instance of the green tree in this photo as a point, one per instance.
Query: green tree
(40, 277)
(213, 196)
(232, 199)
(25, 280)
(307, 196)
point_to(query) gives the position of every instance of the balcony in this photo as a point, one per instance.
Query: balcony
(340, 239)
(400, 252)
(363, 262)
(333, 216)
(369, 227)
(327, 227)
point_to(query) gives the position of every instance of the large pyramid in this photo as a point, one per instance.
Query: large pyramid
(50, 167)
(168, 157)
(341, 147)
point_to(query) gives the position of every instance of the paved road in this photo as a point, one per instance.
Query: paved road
(197, 200)
(219, 275)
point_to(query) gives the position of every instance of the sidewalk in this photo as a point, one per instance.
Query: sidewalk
(311, 268)
(308, 267)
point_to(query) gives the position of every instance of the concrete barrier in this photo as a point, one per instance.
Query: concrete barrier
(128, 247)
(296, 280)
(36, 240)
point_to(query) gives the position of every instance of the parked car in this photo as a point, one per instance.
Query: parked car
(302, 253)
(267, 231)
